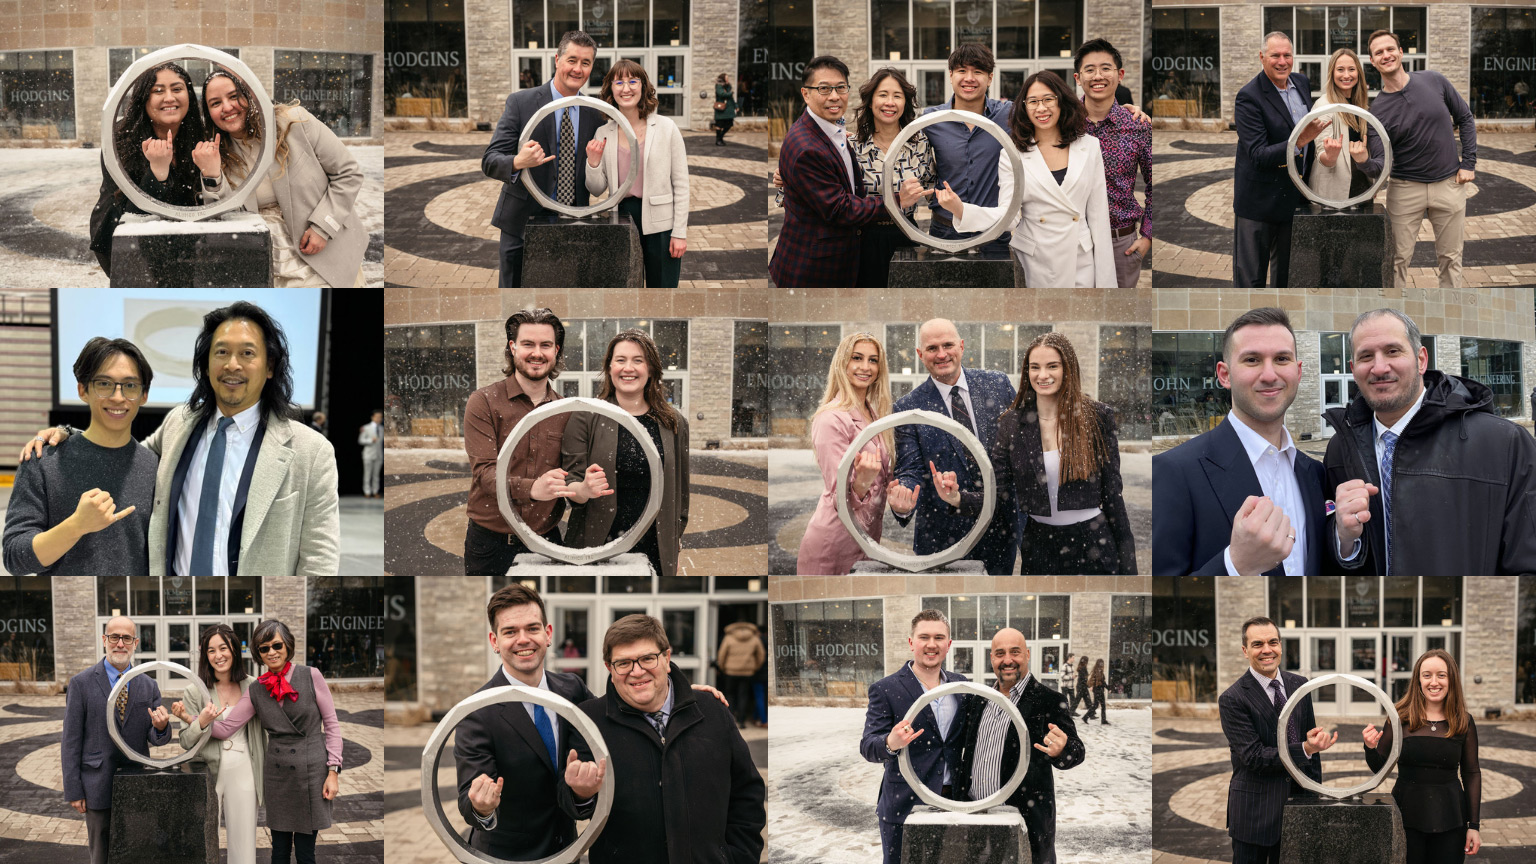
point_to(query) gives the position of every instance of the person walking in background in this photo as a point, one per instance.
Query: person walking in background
(317, 422)
(725, 108)
(1080, 679)
(1097, 684)
(371, 438)
(1069, 683)
(741, 655)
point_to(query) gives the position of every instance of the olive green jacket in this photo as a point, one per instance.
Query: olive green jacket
(213, 748)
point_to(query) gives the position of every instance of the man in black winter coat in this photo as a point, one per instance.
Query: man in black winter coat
(685, 788)
(1430, 479)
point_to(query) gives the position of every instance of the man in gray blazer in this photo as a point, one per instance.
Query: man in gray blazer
(90, 758)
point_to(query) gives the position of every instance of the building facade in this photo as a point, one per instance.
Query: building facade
(57, 65)
(1488, 335)
(1200, 54)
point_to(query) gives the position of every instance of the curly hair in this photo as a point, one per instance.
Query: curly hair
(648, 99)
(535, 316)
(133, 128)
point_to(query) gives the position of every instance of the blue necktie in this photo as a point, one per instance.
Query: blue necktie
(1388, 446)
(546, 731)
(208, 503)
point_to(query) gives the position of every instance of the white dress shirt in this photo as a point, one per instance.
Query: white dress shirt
(1276, 469)
(839, 140)
(944, 710)
(965, 393)
(489, 822)
(1381, 450)
(237, 446)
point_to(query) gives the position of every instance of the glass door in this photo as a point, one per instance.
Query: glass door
(1045, 659)
(684, 621)
(1398, 662)
(1363, 662)
(668, 75)
(573, 649)
(1335, 395)
(971, 659)
(1323, 659)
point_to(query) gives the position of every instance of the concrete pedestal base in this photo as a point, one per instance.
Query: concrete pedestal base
(582, 254)
(1341, 248)
(925, 268)
(934, 836)
(965, 566)
(164, 817)
(233, 250)
(530, 565)
(1366, 830)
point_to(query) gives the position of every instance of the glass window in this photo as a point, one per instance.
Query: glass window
(1186, 400)
(1401, 597)
(1183, 643)
(1323, 601)
(890, 30)
(819, 655)
(1373, 18)
(146, 595)
(1022, 609)
(1125, 353)
(801, 354)
(1183, 73)
(1055, 615)
(429, 372)
(1343, 29)
(177, 594)
(399, 635)
(210, 595)
(1408, 24)
(1015, 32)
(1285, 606)
(527, 24)
(1311, 32)
(111, 595)
(597, 20)
(1279, 18)
(564, 16)
(1496, 363)
(994, 614)
(26, 628)
(1334, 353)
(119, 59)
(37, 89)
(424, 57)
(751, 366)
(671, 339)
(973, 22)
(1362, 598)
(244, 595)
(930, 18)
(776, 40)
(1130, 658)
(345, 626)
(336, 88)
(669, 22)
(901, 350)
(1442, 601)
(963, 612)
(1060, 28)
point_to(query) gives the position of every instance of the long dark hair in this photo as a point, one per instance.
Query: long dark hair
(133, 128)
(1413, 708)
(1072, 122)
(1083, 448)
(655, 394)
(865, 116)
(205, 669)
(276, 393)
(229, 151)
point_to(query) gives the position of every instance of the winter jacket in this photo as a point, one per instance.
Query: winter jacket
(1069, 676)
(741, 651)
(1463, 484)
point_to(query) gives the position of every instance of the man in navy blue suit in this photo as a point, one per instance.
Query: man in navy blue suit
(1250, 711)
(974, 398)
(88, 755)
(935, 735)
(1241, 499)
(1263, 196)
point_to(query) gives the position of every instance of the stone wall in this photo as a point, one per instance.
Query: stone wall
(488, 58)
(1449, 44)
(1488, 646)
(710, 348)
(716, 30)
(1090, 626)
(1237, 600)
(1302, 417)
(842, 30)
(899, 612)
(1487, 313)
(75, 647)
(1123, 23)
(455, 660)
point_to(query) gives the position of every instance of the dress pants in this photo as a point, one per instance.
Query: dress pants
(1127, 267)
(661, 269)
(98, 832)
(373, 471)
(1251, 853)
(1445, 203)
(1260, 247)
(290, 845)
(1444, 847)
(890, 842)
(487, 553)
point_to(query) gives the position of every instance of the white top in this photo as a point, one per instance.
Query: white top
(965, 394)
(1052, 484)
(840, 141)
(1277, 478)
(237, 445)
(944, 710)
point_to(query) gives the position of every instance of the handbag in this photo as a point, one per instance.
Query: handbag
(720, 105)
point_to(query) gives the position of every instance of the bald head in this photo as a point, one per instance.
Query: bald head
(118, 641)
(941, 349)
(1010, 658)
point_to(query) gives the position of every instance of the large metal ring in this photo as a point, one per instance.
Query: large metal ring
(904, 758)
(150, 204)
(1386, 164)
(432, 754)
(616, 546)
(1285, 752)
(117, 737)
(951, 115)
(618, 119)
(902, 560)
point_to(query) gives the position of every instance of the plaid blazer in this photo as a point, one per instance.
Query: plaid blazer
(819, 244)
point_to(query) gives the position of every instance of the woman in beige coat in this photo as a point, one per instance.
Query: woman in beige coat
(306, 198)
(741, 654)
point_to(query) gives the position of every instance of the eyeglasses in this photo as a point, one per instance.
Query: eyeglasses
(1042, 101)
(647, 661)
(829, 89)
(119, 639)
(628, 82)
(103, 388)
(270, 648)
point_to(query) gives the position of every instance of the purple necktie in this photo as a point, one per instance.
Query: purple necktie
(1292, 734)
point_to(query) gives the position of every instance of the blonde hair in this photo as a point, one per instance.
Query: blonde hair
(1356, 97)
(839, 395)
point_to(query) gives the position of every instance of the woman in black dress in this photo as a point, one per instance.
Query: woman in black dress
(1439, 742)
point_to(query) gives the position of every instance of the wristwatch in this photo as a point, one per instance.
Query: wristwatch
(335, 769)
(210, 182)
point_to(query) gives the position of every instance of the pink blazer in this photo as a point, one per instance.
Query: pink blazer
(827, 548)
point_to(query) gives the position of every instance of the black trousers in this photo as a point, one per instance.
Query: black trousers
(876, 246)
(661, 269)
(1251, 853)
(487, 553)
(1444, 847)
(738, 692)
(722, 127)
(285, 843)
(1098, 704)
(1076, 695)
(1082, 548)
(1260, 247)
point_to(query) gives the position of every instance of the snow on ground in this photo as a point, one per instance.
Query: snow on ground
(822, 794)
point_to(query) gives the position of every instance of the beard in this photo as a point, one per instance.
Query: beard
(522, 369)
(1396, 401)
(1247, 404)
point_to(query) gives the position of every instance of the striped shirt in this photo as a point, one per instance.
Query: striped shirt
(987, 773)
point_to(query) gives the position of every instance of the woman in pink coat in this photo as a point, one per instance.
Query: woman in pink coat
(858, 393)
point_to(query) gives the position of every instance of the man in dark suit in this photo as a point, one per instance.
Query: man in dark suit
(824, 201)
(1250, 710)
(563, 136)
(90, 757)
(990, 752)
(974, 398)
(1263, 196)
(1241, 499)
(934, 735)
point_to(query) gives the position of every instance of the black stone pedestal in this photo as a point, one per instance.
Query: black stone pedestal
(164, 817)
(994, 836)
(1364, 830)
(1341, 248)
(924, 268)
(228, 251)
(582, 254)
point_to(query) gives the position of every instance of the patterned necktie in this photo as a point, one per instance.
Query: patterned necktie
(962, 415)
(1388, 447)
(546, 731)
(1292, 734)
(565, 173)
(659, 720)
(208, 503)
(122, 703)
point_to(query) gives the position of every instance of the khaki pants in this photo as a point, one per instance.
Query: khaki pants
(1445, 203)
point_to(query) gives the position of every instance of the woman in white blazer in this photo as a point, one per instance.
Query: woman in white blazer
(306, 198)
(657, 202)
(1066, 201)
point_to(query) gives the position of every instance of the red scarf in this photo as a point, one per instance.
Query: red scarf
(277, 684)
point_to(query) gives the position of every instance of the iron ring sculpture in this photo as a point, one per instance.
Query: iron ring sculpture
(613, 114)
(624, 542)
(904, 758)
(902, 560)
(150, 204)
(117, 737)
(432, 755)
(1386, 164)
(888, 191)
(1381, 697)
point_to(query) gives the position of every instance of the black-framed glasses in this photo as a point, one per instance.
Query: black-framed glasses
(120, 639)
(103, 388)
(828, 89)
(270, 647)
(646, 661)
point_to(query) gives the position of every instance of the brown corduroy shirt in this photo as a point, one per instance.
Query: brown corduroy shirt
(489, 416)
